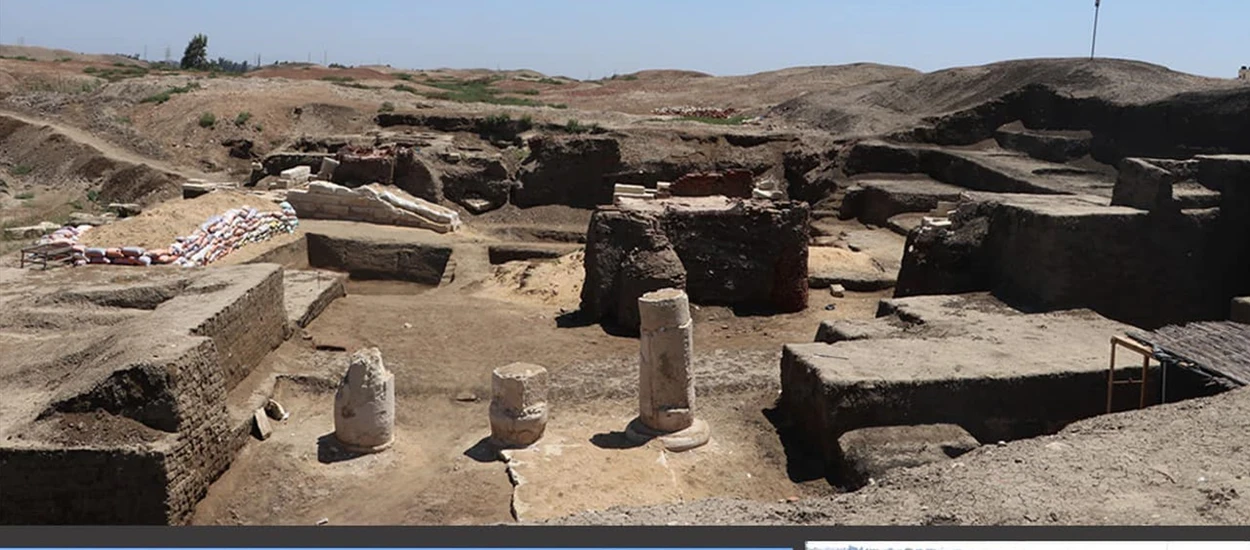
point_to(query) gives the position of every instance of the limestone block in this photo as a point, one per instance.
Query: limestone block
(364, 407)
(260, 424)
(629, 189)
(518, 408)
(299, 174)
(327, 168)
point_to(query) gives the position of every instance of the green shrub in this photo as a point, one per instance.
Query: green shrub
(404, 88)
(550, 81)
(386, 107)
(21, 170)
(208, 120)
(24, 196)
(403, 76)
(242, 118)
(93, 195)
(167, 94)
(332, 78)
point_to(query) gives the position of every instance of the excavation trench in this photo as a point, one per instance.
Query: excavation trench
(820, 409)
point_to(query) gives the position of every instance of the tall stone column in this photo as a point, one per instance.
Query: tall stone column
(518, 405)
(665, 377)
(364, 407)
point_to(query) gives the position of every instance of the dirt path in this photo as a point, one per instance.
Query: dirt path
(104, 147)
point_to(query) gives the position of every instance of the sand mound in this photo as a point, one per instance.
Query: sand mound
(556, 283)
(883, 107)
(159, 226)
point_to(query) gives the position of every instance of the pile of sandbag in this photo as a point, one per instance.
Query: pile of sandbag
(223, 234)
(697, 112)
(66, 235)
(215, 238)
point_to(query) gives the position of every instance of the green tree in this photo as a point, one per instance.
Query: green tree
(196, 55)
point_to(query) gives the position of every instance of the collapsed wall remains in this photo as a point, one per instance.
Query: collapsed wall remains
(750, 254)
(135, 426)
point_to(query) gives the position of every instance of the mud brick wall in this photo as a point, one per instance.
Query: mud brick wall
(205, 444)
(248, 329)
(81, 487)
(1145, 270)
(354, 171)
(364, 259)
(747, 254)
(753, 257)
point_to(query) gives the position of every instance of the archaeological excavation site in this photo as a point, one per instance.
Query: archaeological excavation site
(1010, 294)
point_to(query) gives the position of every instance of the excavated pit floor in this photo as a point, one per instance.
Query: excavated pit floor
(442, 343)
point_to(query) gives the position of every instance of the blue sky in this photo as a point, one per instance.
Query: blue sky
(595, 38)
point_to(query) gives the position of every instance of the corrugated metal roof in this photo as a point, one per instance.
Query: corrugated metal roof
(1219, 348)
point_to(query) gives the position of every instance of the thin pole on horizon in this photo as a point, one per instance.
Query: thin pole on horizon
(1094, 41)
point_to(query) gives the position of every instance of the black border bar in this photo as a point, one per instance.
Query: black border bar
(508, 536)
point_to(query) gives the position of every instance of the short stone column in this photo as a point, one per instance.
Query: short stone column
(518, 405)
(364, 407)
(665, 376)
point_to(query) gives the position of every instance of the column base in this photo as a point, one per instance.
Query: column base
(359, 449)
(697, 435)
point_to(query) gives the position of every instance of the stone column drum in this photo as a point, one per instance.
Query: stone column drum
(364, 407)
(518, 405)
(665, 377)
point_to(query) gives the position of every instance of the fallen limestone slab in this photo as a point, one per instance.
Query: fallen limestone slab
(868, 454)
(309, 292)
(380, 204)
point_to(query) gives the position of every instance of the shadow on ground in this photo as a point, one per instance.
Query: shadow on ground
(802, 463)
(329, 450)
